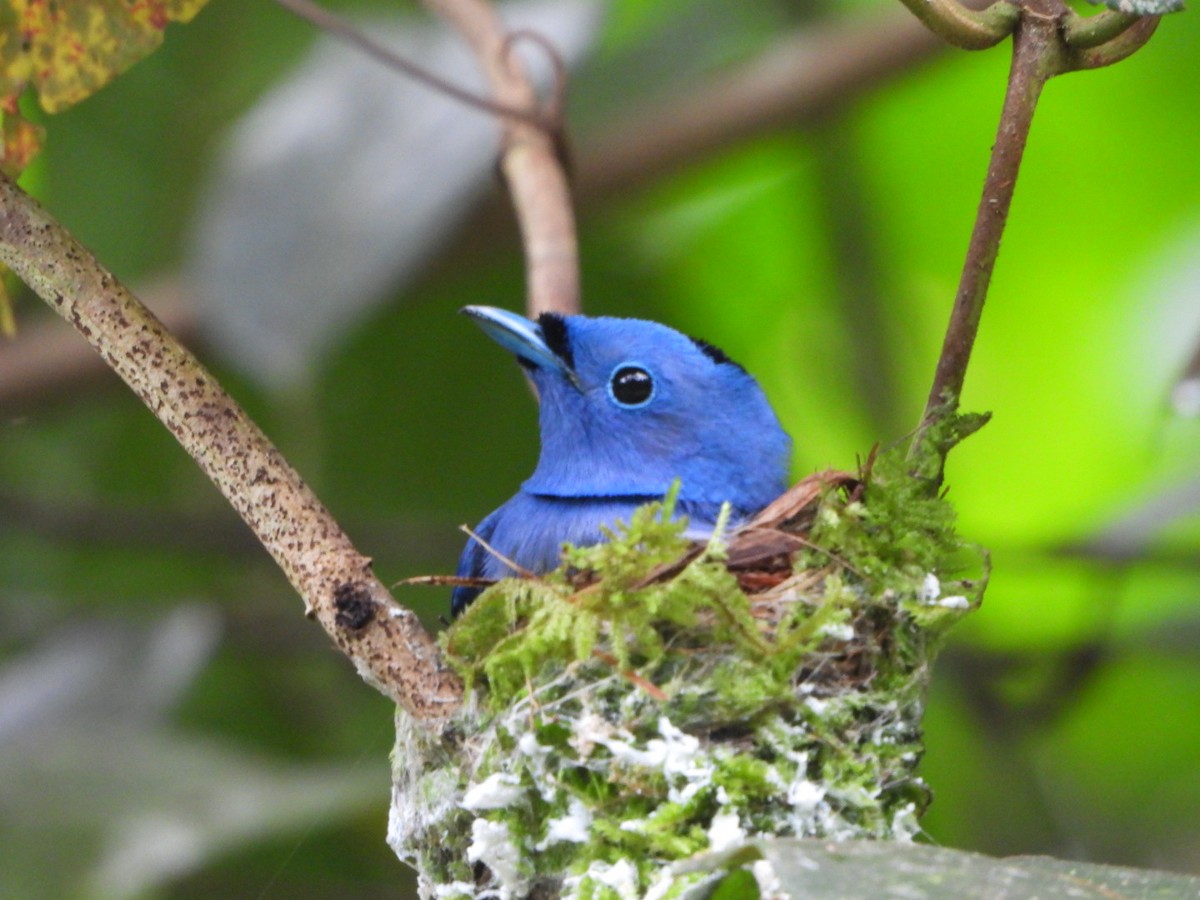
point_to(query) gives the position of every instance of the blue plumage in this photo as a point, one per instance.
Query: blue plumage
(626, 407)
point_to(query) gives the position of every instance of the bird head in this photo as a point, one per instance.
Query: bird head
(627, 406)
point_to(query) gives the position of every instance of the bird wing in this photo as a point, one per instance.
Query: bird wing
(530, 530)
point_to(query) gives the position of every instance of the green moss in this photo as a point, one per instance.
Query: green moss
(637, 700)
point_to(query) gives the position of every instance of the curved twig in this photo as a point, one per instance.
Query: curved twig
(1082, 32)
(553, 112)
(336, 25)
(967, 28)
(1124, 44)
(384, 640)
(529, 158)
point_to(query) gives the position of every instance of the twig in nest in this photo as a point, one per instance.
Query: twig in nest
(492, 551)
(633, 677)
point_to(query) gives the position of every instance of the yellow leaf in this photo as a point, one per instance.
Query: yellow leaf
(8, 322)
(20, 139)
(69, 49)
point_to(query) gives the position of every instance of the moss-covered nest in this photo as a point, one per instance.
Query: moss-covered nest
(654, 699)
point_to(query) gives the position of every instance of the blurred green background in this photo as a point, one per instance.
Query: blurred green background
(171, 726)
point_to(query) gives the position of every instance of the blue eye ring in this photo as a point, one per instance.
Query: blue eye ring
(631, 386)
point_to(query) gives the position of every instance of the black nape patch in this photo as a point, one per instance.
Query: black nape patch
(716, 354)
(554, 332)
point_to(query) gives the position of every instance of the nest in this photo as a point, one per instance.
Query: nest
(652, 699)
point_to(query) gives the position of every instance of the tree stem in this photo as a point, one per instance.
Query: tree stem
(385, 641)
(530, 161)
(969, 29)
(1027, 76)
(1048, 40)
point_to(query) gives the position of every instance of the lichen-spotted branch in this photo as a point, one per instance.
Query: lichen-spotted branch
(385, 641)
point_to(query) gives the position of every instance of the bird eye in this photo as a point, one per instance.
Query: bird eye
(631, 386)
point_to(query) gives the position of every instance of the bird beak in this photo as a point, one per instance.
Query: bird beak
(519, 335)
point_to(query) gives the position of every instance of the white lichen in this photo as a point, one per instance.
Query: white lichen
(725, 832)
(905, 825)
(454, 890)
(621, 877)
(497, 791)
(839, 631)
(572, 828)
(931, 588)
(769, 885)
(493, 845)
(805, 796)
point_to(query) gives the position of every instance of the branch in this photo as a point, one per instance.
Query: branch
(384, 640)
(963, 27)
(1124, 44)
(1082, 32)
(339, 27)
(801, 78)
(1041, 50)
(1027, 76)
(529, 159)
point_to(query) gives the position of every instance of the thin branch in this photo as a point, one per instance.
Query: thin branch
(800, 78)
(1040, 51)
(1032, 45)
(384, 640)
(1082, 32)
(339, 27)
(556, 109)
(967, 28)
(492, 551)
(530, 161)
(1123, 45)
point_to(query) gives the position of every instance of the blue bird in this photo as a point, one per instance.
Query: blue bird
(626, 407)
